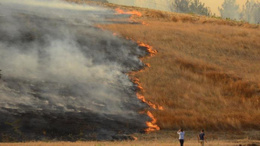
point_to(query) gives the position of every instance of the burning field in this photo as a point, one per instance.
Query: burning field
(206, 71)
(63, 78)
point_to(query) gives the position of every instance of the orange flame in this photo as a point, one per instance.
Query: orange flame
(149, 48)
(144, 23)
(100, 27)
(135, 138)
(133, 13)
(137, 82)
(120, 11)
(152, 124)
(114, 34)
(152, 105)
(148, 65)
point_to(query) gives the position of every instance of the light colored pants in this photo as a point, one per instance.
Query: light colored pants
(202, 142)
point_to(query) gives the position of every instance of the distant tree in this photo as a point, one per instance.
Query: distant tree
(190, 6)
(230, 10)
(181, 6)
(105, 1)
(199, 8)
(251, 12)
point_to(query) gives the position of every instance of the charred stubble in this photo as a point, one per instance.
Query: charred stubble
(63, 78)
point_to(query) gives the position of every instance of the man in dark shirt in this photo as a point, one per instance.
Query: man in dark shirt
(202, 137)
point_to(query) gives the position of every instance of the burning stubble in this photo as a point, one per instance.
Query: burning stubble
(64, 78)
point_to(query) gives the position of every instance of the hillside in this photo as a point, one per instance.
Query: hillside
(206, 73)
(111, 75)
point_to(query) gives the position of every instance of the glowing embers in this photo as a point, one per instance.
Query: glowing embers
(133, 13)
(144, 23)
(148, 47)
(152, 124)
(141, 89)
(120, 11)
(152, 105)
(100, 27)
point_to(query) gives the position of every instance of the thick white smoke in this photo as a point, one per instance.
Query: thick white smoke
(56, 64)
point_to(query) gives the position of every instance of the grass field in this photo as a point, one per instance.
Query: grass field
(125, 143)
(162, 138)
(205, 75)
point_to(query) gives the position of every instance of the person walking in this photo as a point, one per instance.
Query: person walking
(181, 136)
(202, 137)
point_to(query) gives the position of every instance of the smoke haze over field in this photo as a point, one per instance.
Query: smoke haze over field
(165, 4)
(152, 4)
(214, 4)
(63, 76)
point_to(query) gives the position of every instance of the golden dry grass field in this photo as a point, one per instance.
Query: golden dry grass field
(161, 138)
(125, 143)
(206, 73)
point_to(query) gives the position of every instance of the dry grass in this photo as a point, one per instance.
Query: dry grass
(164, 138)
(174, 17)
(127, 143)
(205, 75)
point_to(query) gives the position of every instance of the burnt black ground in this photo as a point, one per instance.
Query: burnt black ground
(47, 98)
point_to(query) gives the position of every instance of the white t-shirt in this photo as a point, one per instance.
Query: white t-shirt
(181, 135)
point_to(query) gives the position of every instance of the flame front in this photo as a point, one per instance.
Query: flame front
(141, 97)
(120, 11)
(152, 124)
(149, 48)
(154, 106)
(133, 13)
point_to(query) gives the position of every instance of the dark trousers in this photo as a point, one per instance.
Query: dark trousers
(181, 141)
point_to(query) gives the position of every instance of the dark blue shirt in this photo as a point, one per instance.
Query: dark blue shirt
(201, 136)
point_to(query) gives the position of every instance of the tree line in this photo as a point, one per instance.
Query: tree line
(228, 10)
(249, 13)
(190, 6)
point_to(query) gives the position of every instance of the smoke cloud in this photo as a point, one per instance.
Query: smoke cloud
(62, 78)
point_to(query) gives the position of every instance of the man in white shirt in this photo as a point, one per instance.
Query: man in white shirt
(181, 136)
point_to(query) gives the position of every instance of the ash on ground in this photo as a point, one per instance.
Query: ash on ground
(62, 78)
